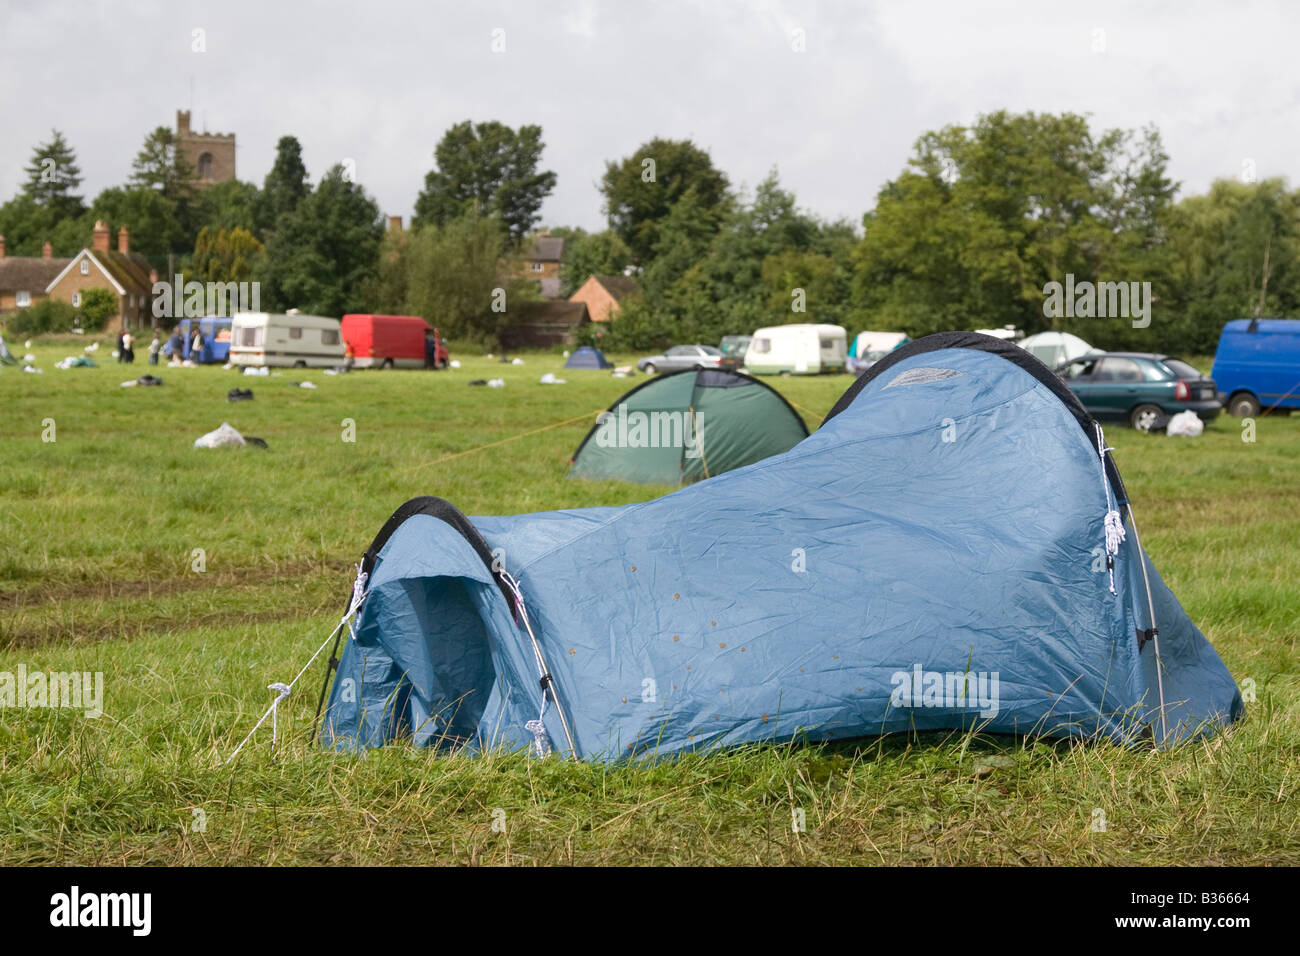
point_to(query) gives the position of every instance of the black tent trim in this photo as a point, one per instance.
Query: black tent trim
(702, 375)
(1012, 353)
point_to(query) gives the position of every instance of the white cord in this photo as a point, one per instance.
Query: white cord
(1113, 524)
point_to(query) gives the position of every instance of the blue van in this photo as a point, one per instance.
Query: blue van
(216, 339)
(1258, 365)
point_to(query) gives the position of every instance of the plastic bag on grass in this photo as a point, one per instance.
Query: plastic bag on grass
(1185, 425)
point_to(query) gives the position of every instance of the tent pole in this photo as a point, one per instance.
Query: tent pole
(1155, 631)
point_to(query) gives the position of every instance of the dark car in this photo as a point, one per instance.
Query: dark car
(1140, 388)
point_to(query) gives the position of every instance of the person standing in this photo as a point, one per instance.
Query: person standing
(154, 348)
(196, 346)
(121, 346)
(128, 350)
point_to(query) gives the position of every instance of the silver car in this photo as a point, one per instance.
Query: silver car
(681, 357)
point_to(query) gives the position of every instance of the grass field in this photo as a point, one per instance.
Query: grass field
(98, 538)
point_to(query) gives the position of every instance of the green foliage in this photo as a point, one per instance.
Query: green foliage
(486, 169)
(97, 307)
(450, 274)
(285, 185)
(44, 315)
(53, 177)
(590, 254)
(641, 190)
(321, 255)
(228, 206)
(222, 255)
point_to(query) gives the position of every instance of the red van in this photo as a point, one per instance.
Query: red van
(393, 341)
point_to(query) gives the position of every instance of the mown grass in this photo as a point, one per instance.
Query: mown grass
(99, 530)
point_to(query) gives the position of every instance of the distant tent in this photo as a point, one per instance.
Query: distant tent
(1055, 348)
(688, 425)
(588, 357)
(5, 357)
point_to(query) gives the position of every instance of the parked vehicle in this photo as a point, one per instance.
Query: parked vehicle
(1257, 365)
(393, 341)
(798, 349)
(733, 349)
(868, 348)
(292, 339)
(216, 339)
(1140, 388)
(681, 357)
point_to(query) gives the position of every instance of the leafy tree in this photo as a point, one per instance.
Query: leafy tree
(148, 215)
(228, 205)
(161, 166)
(641, 190)
(588, 254)
(321, 254)
(285, 185)
(488, 169)
(53, 178)
(453, 277)
(222, 255)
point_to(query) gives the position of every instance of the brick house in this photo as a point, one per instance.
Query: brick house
(128, 275)
(541, 262)
(24, 279)
(603, 295)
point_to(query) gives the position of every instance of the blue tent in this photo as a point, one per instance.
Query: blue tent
(588, 357)
(949, 550)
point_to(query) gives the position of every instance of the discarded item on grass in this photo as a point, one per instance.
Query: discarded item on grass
(257, 370)
(550, 379)
(143, 380)
(76, 361)
(454, 363)
(302, 384)
(239, 395)
(223, 437)
(329, 371)
(479, 381)
(517, 361)
(496, 383)
(1185, 425)
(29, 357)
(33, 368)
(894, 580)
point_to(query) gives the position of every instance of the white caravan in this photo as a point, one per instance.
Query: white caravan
(797, 349)
(293, 339)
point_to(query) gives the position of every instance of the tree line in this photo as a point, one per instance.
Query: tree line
(980, 220)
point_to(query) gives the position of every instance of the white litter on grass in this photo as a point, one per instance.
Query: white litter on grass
(93, 346)
(496, 383)
(115, 353)
(129, 384)
(227, 365)
(517, 361)
(223, 437)
(306, 385)
(454, 363)
(29, 357)
(550, 379)
(27, 344)
(38, 371)
(255, 370)
(1185, 425)
(330, 371)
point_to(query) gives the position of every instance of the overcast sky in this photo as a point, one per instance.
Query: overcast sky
(378, 82)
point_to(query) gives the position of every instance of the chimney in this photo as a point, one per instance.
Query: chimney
(2, 247)
(394, 223)
(100, 243)
(183, 121)
(47, 250)
(123, 241)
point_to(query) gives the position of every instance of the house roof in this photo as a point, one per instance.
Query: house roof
(127, 273)
(29, 273)
(547, 249)
(620, 287)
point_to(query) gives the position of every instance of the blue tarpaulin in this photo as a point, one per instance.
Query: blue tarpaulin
(934, 556)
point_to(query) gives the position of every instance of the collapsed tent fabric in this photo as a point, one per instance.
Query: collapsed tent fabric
(688, 425)
(935, 556)
(1054, 349)
(588, 357)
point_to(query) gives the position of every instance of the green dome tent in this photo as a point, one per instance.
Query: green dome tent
(688, 425)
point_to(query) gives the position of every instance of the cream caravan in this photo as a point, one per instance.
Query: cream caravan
(292, 339)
